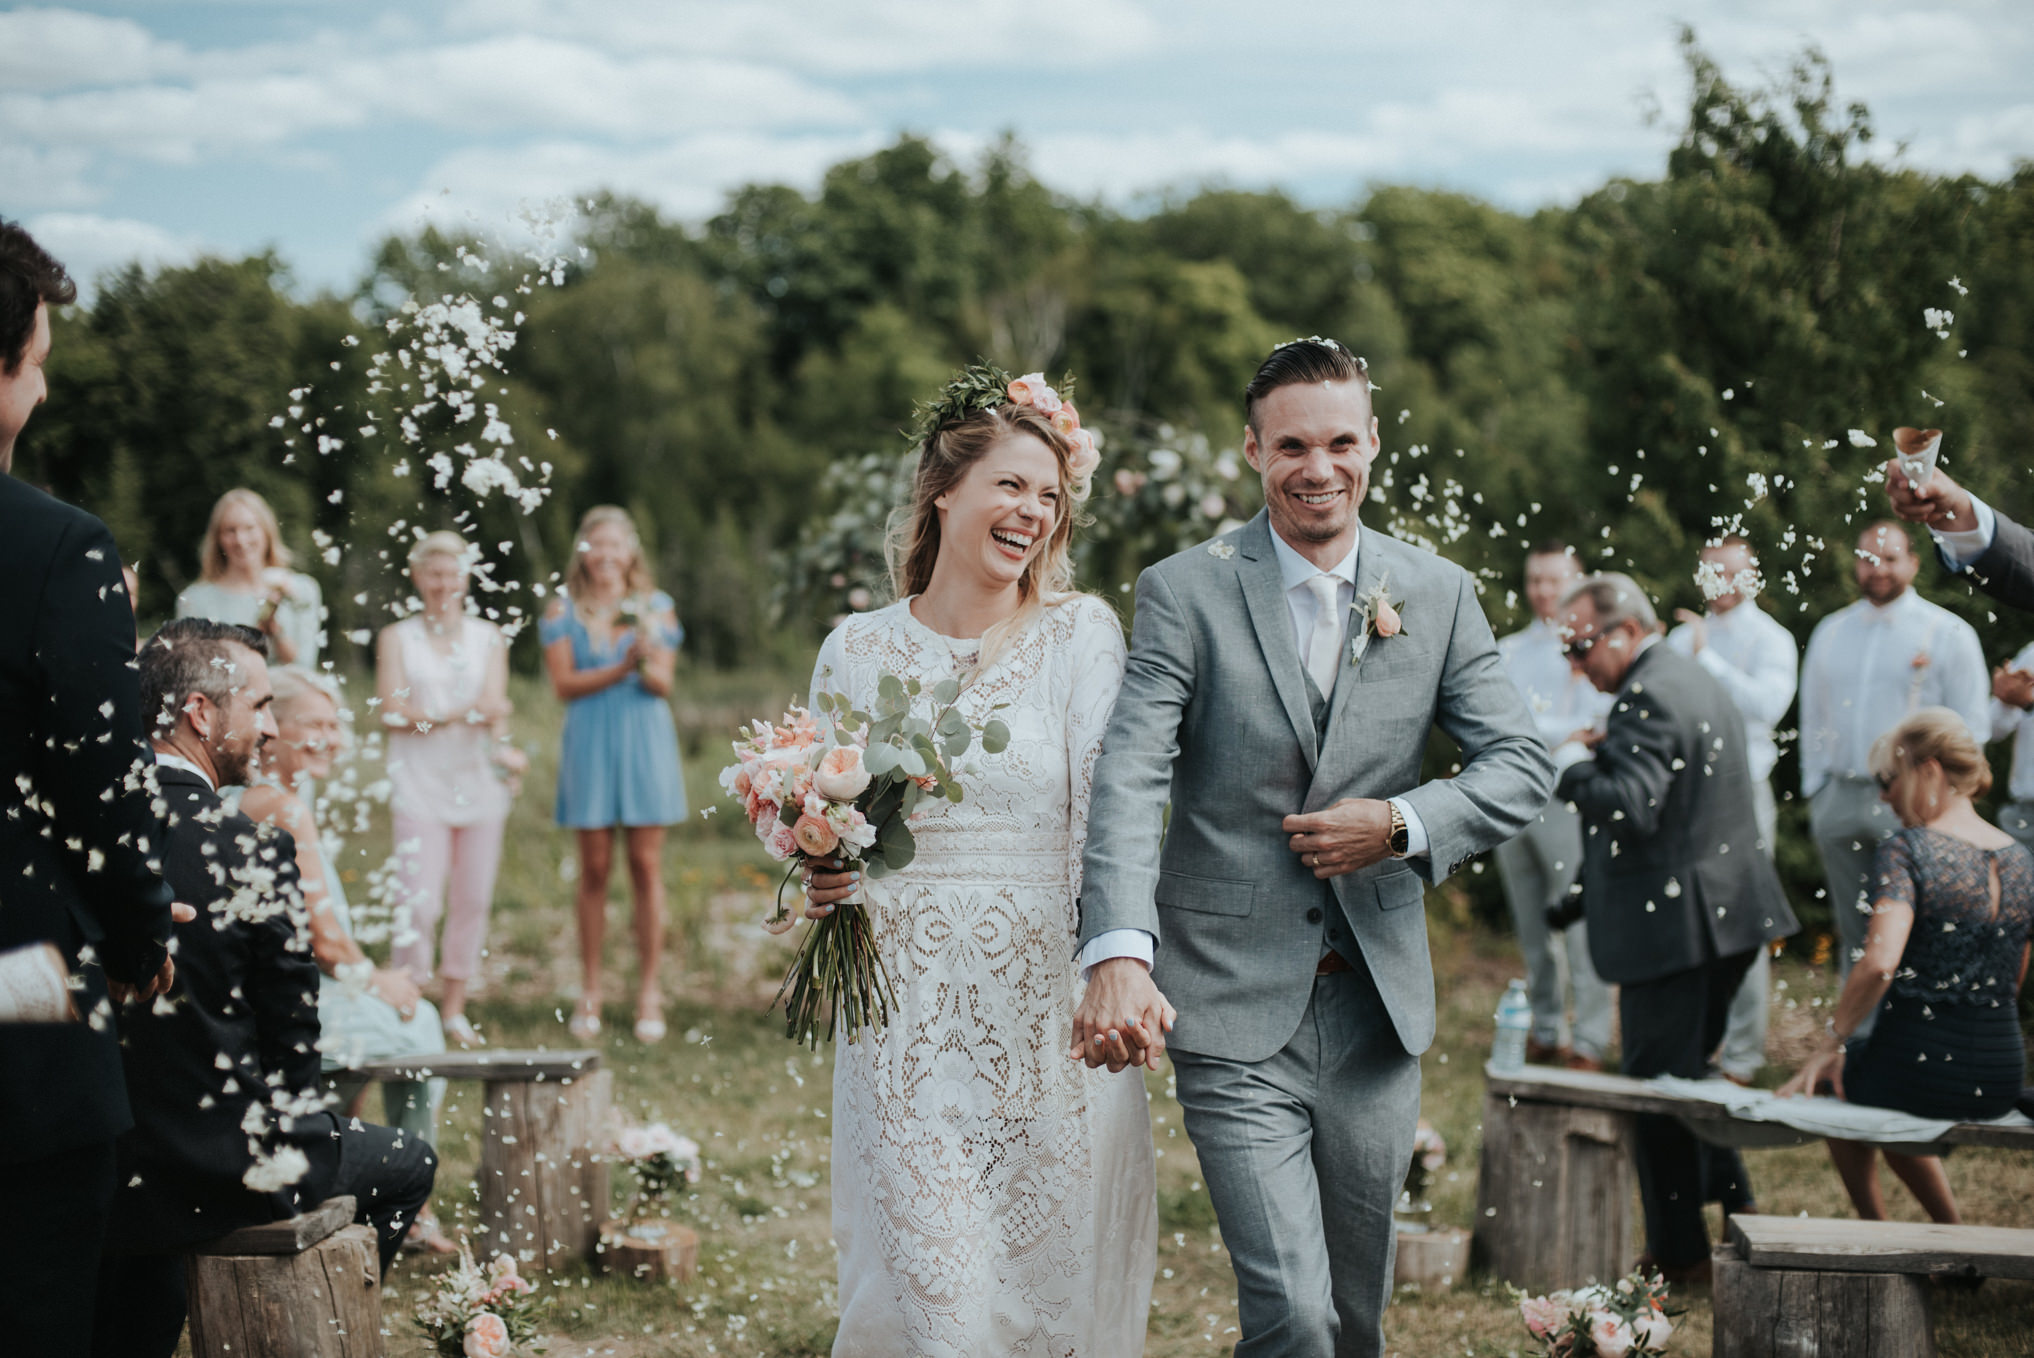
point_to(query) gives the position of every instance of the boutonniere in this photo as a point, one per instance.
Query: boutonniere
(1379, 618)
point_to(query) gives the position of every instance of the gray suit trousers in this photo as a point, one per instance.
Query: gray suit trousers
(1537, 867)
(1311, 1143)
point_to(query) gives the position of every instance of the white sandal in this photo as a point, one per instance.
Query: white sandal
(584, 1026)
(459, 1031)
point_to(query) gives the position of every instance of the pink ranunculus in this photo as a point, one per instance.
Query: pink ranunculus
(814, 836)
(1065, 420)
(1031, 390)
(781, 843)
(1388, 622)
(486, 1336)
(1651, 1328)
(1542, 1315)
(1611, 1335)
(841, 777)
(1084, 457)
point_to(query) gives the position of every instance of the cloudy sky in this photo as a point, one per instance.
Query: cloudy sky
(157, 130)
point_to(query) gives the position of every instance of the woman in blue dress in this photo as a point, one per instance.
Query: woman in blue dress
(610, 645)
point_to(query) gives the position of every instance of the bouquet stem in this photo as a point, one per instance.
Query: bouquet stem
(837, 975)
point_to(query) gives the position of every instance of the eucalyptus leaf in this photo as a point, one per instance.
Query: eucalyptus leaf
(890, 690)
(880, 759)
(911, 762)
(945, 691)
(957, 745)
(995, 736)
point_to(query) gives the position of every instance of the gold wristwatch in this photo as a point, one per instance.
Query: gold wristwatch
(1400, 839)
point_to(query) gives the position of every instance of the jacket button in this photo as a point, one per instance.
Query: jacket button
(1314, 915)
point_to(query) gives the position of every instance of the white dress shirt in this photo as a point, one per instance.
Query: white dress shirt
(1295, 570)
(1752, 654)
(2010, 720)
(177, 761)
(1963, 548)
(1869, 667)
(1561, 701)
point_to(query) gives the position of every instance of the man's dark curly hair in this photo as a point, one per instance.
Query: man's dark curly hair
(29, 277)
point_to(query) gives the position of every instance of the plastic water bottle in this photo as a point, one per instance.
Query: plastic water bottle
(1514, 1021)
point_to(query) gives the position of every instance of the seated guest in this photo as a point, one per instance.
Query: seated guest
(364, 1012)
(1944, 957)
(231, 1124)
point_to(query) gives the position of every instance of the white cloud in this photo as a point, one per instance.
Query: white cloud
(91, 246)
(46, 179)
(492, 190)
(54, 49)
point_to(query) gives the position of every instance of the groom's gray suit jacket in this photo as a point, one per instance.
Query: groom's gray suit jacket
(1216, 717)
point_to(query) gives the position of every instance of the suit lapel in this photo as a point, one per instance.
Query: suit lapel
(1370, 573)
(1264, 596)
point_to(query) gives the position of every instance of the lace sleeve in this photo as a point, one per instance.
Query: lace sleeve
(1894, 873)
(829, 670)
(1098, 657)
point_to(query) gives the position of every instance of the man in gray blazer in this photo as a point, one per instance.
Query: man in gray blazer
(1972, 538)
(1678, 890)
(1281, 685)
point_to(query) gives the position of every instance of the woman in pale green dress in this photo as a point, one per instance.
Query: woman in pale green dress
(245, 578)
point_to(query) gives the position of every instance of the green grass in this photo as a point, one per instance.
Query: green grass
(760, 1106)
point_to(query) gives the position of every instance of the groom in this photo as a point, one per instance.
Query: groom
(1282, 682)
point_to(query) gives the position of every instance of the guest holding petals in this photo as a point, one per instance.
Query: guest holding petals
(442, 677)
(610, 646)
(244, 577)
(1943, 960)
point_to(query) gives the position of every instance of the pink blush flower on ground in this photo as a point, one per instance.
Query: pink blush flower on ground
(1542, 1315)
(1611, 1336)
(486, 1336)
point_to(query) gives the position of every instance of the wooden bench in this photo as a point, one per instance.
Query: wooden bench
(1556, 1180)
(308, 1287)
(1849, 1289)
(543, 1176)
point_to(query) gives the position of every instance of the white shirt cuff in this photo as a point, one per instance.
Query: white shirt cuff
(1115, 943)
(1964, 548)
(1570, 752)
(1415, 832)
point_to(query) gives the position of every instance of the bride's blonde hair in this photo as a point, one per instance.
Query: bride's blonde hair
(912, 544)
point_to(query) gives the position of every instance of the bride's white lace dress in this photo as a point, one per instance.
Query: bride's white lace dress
(990, 1197)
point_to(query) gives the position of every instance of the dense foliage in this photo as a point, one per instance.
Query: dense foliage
(1661, 360)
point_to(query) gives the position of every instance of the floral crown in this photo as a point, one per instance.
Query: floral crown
(983, 386)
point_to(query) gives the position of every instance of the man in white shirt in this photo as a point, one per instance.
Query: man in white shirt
(1869, 666)
(2012, 696)
(1540, 865)
(1754, 657)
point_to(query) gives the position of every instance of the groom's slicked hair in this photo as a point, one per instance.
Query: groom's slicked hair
(1303, 361)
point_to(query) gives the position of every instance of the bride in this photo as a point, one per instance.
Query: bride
(990, 1197)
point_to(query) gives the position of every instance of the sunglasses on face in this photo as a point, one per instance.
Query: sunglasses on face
(1580, 647)
(1885, 780)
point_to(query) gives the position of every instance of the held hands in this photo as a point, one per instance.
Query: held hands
(2015, 688)
(1944, 505)
(1353, 833)
(828, 886)
(1825, 1065)
(1698, 628)
(160, 983)
(1122, 1020)
(395, 987)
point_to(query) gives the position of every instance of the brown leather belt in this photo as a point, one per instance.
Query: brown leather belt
(1331, 962)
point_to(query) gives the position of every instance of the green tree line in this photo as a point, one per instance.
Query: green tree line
(1665, 359)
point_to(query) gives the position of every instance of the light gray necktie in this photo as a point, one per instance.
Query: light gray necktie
(1323, 653)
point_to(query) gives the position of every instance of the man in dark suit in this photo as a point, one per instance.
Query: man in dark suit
(78, 838)
(1971, 537)
(1678, 894)
(232, 1123)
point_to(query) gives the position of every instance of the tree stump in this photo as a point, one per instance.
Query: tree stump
(1554, 1193)
(653, 1251)
(1431, 1257)
(321, 1302)
(1799, 1313)
(543, 1182)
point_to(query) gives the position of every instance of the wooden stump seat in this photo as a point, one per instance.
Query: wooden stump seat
(308, 1287)
(543, 1179)
(1847, 1289)
(1556, 1181)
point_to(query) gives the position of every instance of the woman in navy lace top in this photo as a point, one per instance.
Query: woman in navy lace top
(1942, 963)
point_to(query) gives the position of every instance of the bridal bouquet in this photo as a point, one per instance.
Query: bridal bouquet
(841, 783)
(481, 1311)
(1626, 1320)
